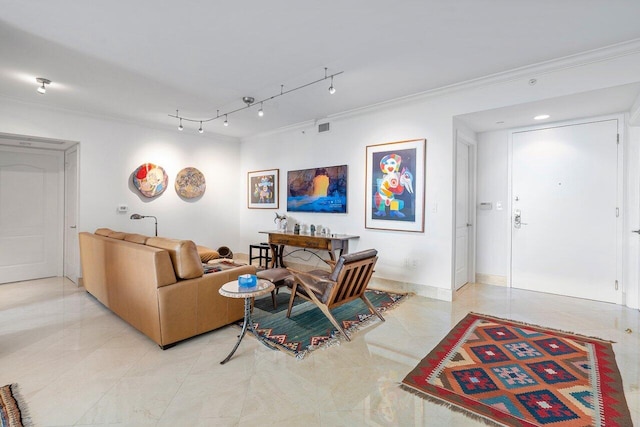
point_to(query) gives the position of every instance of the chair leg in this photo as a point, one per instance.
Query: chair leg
(273, 299)
(292, 298)
(371, 307)
(333, 320)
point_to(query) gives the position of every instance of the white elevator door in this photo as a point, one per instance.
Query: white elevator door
(30, 212)
(564, 183)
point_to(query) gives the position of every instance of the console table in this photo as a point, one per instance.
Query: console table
(330, 243)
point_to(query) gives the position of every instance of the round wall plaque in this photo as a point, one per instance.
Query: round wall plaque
(190, 183)
(151, 180)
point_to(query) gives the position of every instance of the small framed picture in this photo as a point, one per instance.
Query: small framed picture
(262, 191)
(395, 186)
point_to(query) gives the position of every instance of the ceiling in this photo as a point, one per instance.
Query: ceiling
(140, 61)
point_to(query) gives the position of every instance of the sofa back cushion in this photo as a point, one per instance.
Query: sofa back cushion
(184, 256)
(136, 238)
(104, 232)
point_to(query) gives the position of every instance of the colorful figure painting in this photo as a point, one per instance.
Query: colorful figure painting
(395, 186)
(263, 189)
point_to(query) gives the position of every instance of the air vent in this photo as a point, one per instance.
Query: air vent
(28, 140)
(324, 127)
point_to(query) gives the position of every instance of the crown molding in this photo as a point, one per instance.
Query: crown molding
(607, 53)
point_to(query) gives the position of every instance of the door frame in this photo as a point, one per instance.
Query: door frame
(619, 190)
(470, 141)
(75, 151)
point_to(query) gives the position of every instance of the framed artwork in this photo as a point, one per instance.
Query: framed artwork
(320, 190)
(395, 186)
(262, 191)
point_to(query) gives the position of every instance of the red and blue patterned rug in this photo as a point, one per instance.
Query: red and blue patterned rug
(505, 372)
(308, 328)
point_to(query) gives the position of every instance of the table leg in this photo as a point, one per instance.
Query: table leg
(247, 325)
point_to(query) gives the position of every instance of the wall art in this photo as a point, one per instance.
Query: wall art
(320, 190)
(150, 179)
(262, 191)
(190, 183)
(395, 185)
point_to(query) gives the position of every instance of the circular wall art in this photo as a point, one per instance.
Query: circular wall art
(190, 183)
(151, 180)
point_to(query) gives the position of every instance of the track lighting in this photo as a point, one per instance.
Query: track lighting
(42, 89)
(250, 102)
(332, 89)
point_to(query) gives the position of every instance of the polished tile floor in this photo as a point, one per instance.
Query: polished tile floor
(78, 364)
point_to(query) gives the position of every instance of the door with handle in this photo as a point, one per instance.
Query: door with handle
(564, 229)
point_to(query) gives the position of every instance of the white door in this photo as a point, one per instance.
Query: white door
(71, 250)
(565, 212)
(463, 221)
(30, 214)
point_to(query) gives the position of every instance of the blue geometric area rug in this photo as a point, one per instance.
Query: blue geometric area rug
(308, 328)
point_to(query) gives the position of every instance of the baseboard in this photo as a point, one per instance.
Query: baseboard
(491, 279)
(426, 291)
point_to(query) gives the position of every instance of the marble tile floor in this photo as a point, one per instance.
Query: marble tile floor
(77, 364)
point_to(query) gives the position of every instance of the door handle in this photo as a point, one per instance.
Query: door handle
(636, 231)
(469, 225)
(72, 226)
(517, 219)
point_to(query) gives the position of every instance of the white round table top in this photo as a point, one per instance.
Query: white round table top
(233, 290)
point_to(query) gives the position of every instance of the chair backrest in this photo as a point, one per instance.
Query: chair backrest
(352, 274)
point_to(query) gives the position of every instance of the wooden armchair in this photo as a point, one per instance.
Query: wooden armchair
(347, 281)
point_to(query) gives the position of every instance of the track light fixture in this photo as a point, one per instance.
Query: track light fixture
(250, 102)
(42, 89)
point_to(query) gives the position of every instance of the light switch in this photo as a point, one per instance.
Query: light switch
(123, 208)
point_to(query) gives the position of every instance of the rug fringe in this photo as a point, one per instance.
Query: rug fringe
(452, 407)
(25, 416)
(533, 325)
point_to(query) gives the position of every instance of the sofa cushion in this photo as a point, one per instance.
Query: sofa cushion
(117, 235)
(184, 256)
(207, 254)
(104, 232)
(136, 238)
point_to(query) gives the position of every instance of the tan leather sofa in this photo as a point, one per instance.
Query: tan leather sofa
(157, 284)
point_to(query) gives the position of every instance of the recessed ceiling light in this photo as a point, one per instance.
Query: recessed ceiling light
(541, 117)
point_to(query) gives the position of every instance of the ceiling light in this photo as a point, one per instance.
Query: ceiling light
(541, 117)
(251, 101)
(42, 88)
(332, 89)
(180, 127)
(200, 130)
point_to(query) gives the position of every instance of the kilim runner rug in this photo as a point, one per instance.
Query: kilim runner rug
(309, 329)
(12, 410)
(505, 372)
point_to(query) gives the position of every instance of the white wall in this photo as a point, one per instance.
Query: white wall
(109, 153)
(430, 116)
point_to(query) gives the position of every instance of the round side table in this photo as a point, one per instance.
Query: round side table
(233, 290)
